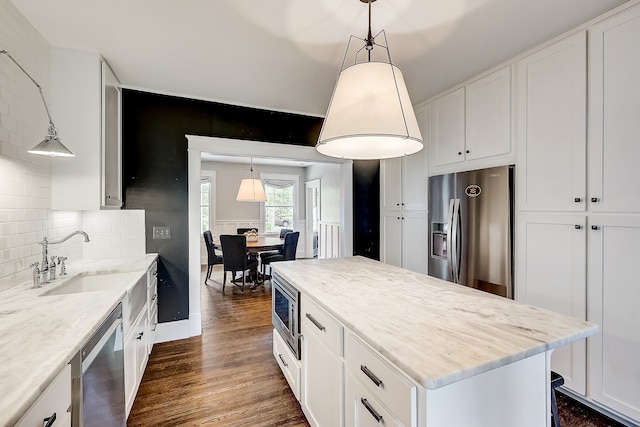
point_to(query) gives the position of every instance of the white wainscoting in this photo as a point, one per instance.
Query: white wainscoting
(329, 240)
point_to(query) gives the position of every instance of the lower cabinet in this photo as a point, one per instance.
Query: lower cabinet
(288, 363)
(362, 409)
(152, 304)
(135, 357)
(54, 404)
(322, 366)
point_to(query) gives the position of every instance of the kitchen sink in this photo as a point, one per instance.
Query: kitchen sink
(94, 283)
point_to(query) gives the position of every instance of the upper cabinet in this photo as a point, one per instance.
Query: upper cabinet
(614, 125)
(404, 179)
(471, 126)
(550, 121)
(86, 106)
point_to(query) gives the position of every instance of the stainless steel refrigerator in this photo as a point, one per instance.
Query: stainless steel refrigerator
(471, 229)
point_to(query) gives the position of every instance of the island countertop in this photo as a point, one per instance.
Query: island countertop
(40, 334)
(437, 332)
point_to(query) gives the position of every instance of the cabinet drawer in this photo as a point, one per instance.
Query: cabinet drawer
(363, 409)
(314, 319)
(289, 365)
(389, 385)
(55, 399)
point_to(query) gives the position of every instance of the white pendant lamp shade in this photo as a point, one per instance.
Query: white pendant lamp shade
(51, 146)
(370, 115)
(251, 190)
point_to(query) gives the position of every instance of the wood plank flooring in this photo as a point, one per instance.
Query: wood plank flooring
(228, 376)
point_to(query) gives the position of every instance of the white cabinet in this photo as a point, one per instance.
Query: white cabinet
(447, 127)
(613, 295)
(404, 202)
(470, 128)
(614, 90)
(550, 119)
(55, 401)
(152, 304)
(551, 273)
(404, 239)
(86, 107)
(322, 366)
(288, 363)
(387, 391)
(135, 357)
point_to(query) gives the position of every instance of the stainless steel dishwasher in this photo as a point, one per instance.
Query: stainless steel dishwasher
(98, 377)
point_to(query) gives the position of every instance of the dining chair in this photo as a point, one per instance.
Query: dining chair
(244, 230)
(212, 257)
(287, 253)
(234, 249)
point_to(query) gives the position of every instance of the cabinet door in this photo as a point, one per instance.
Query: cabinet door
(322, 376)
(447, 124)
(391, 183)
(111, 140)
(488, 116)
(614, 371)
(614, 90)
(362, 409)
(391, 241)
(414, 241)
(551, 274)
(415, 177)
(550, 114)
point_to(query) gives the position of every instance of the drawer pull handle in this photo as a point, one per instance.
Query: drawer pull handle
(315, 322)
(48, 422)
(140, 335)
(286, 365)
(371, 375)
(372, 411)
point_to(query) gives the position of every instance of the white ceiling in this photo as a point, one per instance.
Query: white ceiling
(285, 54)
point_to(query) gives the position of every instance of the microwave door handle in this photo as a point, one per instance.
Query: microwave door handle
(450, 239)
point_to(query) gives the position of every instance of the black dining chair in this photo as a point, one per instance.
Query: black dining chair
(287, 253)
(234, 249)
(244, 230)
(212, 257)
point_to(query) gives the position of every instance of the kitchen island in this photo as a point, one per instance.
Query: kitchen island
(464, 357)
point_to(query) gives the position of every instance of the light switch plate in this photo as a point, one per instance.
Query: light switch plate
(161, 232)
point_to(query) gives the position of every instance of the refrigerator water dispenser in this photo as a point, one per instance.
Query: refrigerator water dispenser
(439, 240)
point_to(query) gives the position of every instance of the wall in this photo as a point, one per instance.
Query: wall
(329, 175)
(228, 177)
(25, 179)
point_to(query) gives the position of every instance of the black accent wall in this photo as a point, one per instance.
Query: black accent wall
(154, 164)
(366, 208)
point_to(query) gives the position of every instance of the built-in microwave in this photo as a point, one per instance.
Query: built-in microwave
(285, 317)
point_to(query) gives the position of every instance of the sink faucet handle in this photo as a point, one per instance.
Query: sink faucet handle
(36, 274)
(52, 268)
(63, 267)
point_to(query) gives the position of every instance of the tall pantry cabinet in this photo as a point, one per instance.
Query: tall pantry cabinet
(403, 219)
(578, 233)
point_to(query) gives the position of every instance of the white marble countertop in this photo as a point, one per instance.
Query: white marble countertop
(40, 334)
(435, 331)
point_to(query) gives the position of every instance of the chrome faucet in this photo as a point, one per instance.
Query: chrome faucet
(45, 253)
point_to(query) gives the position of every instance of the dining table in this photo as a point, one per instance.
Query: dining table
(263, 244)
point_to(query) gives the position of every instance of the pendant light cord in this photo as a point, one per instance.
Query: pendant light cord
(369, 36)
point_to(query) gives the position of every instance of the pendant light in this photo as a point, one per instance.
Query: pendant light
(370, 115)
(251, 189)
(51, 145)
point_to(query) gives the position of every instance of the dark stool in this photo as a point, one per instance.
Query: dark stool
(556, 381)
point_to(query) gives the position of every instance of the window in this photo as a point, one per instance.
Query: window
(205, 204)
(281, 208)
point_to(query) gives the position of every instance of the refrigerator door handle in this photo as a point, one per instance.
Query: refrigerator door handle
(455, 248)
(450, 232)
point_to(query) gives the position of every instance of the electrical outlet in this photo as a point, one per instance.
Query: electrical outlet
(161, 232)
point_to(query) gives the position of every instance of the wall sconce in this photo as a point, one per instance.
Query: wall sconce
(51, 145)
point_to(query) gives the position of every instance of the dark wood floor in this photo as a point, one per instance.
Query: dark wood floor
(228, 376)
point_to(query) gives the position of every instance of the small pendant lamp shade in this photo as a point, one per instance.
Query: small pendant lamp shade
(370, 115)
(251, 190)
